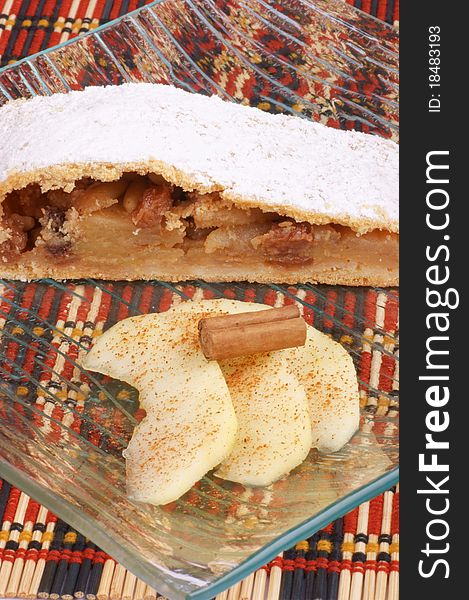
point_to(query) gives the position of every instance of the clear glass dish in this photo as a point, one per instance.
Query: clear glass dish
(62, 433)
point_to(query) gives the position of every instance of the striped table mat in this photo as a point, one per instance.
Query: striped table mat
(352, 558)
(42, 557)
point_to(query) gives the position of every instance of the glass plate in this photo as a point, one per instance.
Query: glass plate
(62, 431)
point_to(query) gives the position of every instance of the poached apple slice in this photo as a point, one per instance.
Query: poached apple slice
(190, 425)
(274, 434)
(326, 371)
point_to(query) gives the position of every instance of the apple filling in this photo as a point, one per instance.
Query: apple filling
(142, 227)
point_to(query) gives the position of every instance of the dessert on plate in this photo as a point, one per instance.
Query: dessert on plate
(144, 181)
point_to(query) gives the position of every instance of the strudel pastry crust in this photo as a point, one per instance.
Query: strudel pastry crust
(226, 192)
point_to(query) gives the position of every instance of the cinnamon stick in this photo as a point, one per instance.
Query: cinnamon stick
(242, 334)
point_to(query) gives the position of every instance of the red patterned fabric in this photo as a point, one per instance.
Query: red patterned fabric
(28, 26)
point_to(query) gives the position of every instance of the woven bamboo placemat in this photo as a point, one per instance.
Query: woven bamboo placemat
(354, 558)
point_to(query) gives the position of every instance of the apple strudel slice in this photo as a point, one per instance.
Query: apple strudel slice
(144, 181)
